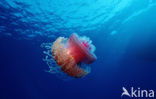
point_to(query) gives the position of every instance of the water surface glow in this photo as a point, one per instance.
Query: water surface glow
(50, 18)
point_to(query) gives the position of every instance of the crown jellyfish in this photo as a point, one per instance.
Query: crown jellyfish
(70, 53)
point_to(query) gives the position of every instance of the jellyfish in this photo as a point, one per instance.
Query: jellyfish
(73, 55)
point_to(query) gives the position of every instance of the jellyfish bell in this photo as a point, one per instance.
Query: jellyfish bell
(81, 49)
(70, 53)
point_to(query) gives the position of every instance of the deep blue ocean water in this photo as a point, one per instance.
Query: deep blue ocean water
(123, 31)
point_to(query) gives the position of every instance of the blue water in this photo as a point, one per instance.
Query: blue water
(123, 31)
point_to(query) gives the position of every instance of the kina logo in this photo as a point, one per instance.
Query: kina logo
(140, 93)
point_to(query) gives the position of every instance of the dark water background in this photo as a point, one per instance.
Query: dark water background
(123, 31)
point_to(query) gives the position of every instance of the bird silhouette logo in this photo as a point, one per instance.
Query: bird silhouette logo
(125, 92)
